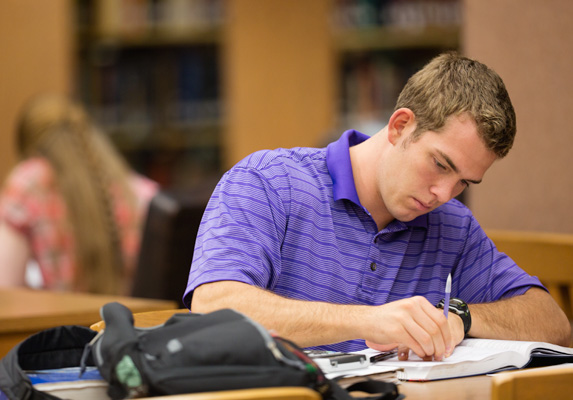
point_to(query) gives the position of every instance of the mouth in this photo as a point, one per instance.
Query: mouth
(422, 206)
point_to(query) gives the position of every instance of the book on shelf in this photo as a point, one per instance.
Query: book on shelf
(119, 18)
(411, 14)
(479, 357)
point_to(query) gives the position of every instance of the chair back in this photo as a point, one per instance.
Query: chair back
(167, 244)
(555, 383)
(549, 256)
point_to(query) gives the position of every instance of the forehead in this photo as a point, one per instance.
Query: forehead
(460, 141)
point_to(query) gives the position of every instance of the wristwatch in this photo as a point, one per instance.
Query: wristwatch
(459, 307)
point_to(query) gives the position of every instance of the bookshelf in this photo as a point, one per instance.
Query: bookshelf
(380, 44)
(184, 98)
(186, 88)
(148, 71)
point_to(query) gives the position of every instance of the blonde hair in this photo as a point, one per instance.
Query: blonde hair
(87, 168)
(450, 85)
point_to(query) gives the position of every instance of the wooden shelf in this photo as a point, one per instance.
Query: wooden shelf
(172, 138)
(397, 38)
(155, 38)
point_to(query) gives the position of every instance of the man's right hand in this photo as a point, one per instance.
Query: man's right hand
(414, 324)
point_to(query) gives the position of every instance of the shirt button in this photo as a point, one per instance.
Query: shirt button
(373, 266)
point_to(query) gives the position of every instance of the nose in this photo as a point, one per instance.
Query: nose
(444, 190)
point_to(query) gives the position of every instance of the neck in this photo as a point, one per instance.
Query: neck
(365, 159)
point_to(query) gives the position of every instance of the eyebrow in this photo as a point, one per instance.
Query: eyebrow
(453, 166)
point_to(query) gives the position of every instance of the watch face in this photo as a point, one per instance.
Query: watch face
(459, 304)
(459, 307)
(454, 302)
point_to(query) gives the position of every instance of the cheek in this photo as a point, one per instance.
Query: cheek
(458, 190)
(406, 172)
(422, 173)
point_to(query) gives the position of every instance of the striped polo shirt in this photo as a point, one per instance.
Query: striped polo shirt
(290, 221)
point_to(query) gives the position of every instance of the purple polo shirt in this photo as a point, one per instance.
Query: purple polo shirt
(290, 221)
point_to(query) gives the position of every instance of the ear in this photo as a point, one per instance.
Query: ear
(401, 123)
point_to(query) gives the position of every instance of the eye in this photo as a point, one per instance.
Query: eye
(439, 164)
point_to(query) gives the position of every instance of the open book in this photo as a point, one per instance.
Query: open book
(478, 357)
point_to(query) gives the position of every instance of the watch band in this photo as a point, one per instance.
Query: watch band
(459, 307)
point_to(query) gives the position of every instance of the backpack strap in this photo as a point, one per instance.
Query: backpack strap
(385, 390)
(53, 348)
(375, 390)
(117, 356)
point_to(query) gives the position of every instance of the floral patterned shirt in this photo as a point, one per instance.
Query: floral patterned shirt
(31, 203)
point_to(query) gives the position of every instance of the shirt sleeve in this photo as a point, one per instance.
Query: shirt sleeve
(240, 234)
(486, 274)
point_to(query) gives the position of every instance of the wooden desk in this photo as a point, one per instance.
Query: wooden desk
(471, 388)
(475, 387)
(24, 311)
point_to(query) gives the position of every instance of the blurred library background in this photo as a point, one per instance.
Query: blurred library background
(186, 88)
(150, 72)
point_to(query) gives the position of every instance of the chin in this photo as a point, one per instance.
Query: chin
(406, 217)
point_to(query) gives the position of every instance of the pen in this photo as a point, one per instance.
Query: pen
(448, 290)
(383, 356)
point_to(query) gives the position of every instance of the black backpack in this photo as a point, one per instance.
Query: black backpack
(222, 350)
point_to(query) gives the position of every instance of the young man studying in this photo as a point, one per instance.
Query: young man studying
(351, 245)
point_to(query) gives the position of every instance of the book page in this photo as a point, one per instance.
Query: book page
(66, 383)
(460, 354)
(474, 357)
(76, 390)
(519, 346)
(465, 361)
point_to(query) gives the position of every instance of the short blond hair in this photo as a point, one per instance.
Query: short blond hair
(451, 85)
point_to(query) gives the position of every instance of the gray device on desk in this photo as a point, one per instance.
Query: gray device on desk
(337, 361)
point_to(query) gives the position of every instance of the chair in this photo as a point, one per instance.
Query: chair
(146, 319)
(167, 244)
(549, 256)
(554, 383)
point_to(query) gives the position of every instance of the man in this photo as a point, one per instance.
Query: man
(333, 247)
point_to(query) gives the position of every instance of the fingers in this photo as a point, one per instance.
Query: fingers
(428, 328)
(456, 328)
(419, 326)
(404, 354)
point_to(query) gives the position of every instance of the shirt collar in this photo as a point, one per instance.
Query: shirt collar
(339, 166)
(340, 170)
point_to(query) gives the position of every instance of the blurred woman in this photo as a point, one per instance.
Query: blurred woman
(71, 204)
